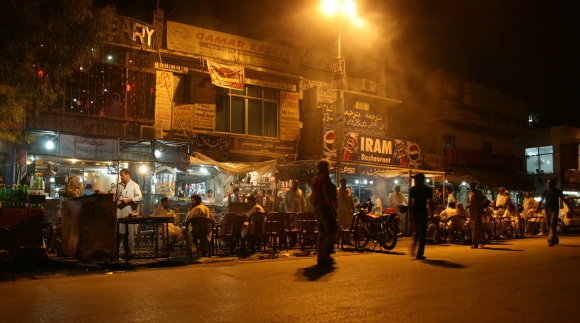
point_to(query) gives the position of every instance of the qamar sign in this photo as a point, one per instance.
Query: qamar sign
(233, 48)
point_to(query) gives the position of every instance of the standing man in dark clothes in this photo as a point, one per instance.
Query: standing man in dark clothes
(552, 196)
(419, 203)
(325, 202)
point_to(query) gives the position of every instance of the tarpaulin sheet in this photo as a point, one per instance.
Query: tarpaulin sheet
(267, 168)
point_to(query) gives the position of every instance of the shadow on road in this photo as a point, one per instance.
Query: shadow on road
(568, 246)
(443, 263)
(500, 249)
(313, 273)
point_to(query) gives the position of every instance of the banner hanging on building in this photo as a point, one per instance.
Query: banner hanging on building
(359, 121)
(289, 116)
(182, 117)
(214, 147)
(163, 99)
(88, 148)
(228, 76)
(339, 74)
(228, 47)
(204, 116)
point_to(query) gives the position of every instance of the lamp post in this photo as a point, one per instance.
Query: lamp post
(342, 10)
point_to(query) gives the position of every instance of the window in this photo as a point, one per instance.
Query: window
(253, 111)
(540, 160)
(448, 142)
(487, 147)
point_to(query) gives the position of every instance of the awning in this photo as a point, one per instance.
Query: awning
(491, 180)
(267, 168)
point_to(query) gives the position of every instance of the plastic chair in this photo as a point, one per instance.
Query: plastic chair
(256, 233)
(202, 235)
(278, 229)
(222, 227)
(456, 228)
(308, 229)
(6, 250)
(37, 254)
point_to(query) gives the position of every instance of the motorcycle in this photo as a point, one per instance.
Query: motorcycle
(382, 229)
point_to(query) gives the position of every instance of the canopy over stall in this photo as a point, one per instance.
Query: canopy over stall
(267, 168)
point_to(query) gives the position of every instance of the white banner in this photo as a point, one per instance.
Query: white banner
(88, 148)
(163, 98)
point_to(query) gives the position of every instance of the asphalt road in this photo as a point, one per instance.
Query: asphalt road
(511, 281)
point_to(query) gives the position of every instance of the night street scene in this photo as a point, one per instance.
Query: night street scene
(289, 161)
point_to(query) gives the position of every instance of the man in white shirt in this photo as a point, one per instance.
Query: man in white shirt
(197, 209)
(294, 200)
(397, 199)
(175, 234)
(378, 209)
(209, 198)
(503, 199)
(530, 205)
(128, 198)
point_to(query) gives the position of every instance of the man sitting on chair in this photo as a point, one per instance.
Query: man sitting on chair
(175, 233)
(197, 209)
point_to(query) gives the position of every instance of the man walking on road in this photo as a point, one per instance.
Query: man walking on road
(552, 196)
(325, 204)
(419, 200)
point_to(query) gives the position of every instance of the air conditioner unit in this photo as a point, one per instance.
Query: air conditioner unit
(361, 106)
(151, 132)
(368, 86)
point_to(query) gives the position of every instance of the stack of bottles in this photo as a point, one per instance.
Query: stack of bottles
(13, 196)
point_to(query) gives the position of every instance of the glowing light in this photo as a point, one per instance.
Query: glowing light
(396, 181)
(330, 7)
(371, 182)
(144, 169)
(81, 68)
(463, 183)
(365, 181)
(356, 181)
(428, 180)
(157, 153)
(31, 157)
(40, 73)
(28, 162)
(110, 57)
(52, 179)
(348, 8)
(73, 160)
(86, 174)
(49, 144)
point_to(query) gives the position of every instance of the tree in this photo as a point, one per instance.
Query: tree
(42, 41)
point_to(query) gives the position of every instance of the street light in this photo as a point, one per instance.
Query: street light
(342, 10)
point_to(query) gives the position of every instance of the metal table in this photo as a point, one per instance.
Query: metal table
(144, 220)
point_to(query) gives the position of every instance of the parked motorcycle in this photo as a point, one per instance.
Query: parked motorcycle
(381, 229)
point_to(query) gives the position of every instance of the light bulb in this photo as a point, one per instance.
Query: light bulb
(396, 181)
(49, 144)
(73, 160)
(157, 153)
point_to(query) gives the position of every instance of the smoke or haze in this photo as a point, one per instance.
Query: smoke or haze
(528, 49)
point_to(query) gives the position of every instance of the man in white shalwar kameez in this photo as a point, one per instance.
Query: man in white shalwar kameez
(128, 198)
(175, 233)
(345, 205)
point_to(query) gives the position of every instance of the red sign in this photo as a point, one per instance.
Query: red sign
(478, 159)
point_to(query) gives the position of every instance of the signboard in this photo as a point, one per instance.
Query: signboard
(261, 147)
(270, 81)
(228, 76)
(325, 94)
(359, 121)
(204, 116)
(339, 74)
(88, 148)
(131, 31)
(372, 149)
(289, 116)
(228, 47)
(163, 99)
(214, 147)
(182, 117)
(338, 107)
(316, 60)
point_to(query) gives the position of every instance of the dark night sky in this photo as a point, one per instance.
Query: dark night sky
(529, 49)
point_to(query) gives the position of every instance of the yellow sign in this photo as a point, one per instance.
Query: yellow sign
(289, 116)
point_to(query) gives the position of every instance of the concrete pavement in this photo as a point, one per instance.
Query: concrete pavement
(516, 280)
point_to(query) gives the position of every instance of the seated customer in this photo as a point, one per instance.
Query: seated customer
(514, 216)
(197, 209)
(175, 234)
(450, 211)
(88, 190)
(255, 207)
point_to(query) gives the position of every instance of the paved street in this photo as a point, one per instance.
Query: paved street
(515, 281)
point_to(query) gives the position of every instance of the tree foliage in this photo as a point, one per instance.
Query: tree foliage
(42, 41)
